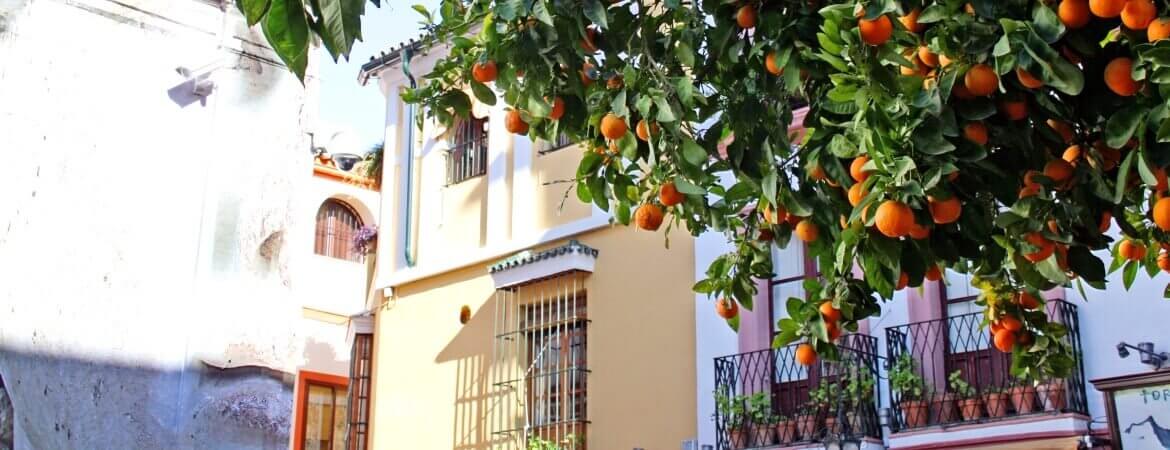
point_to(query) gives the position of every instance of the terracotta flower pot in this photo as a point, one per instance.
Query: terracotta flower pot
(914, 413)
(786, 431)
(997, 404)
(765, 435)
(972, 408)
(738, 437)
(854, 421)
(1023, 399)
(806, 426)
(945, 408)
(831, 424)
(1053, 394)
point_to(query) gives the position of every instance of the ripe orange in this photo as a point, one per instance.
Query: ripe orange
(894, 218)
(830, 313)
(944, 60)
(945, 211)
(876, 31)
(669, 194)
(775, 217)
(558, 109)
(1005, 340)
(793, 220)
(614, 82)
(1131, 250)
(919, 232)
(746, 16)
(1027, 80)
(927, 57)
(1161, 213)
(1044, 247)
(1106, 8)
(995, 327)
(613, 127)
(588, 43)
(1026, 300)
(975, 132)
(1014, 108)
(918, 69)
(1164, 262)
(903, 281)
(1025, 338)
(484, 72)
(514, 123)
(807, 231)
(1074, 13)
(1159, 29)
(1030, 178)
(1160, 175)
(806, 355)
(981, 80)
(648, 217)
(817, 173)
(1058, 170)
(855, 169)
(933, 273)
(1010, 323)
(770, 64)
(833, 329)
(1105, 223)
(910, 21)
(856, 194)
(726, 308)
(588, 73)
(1063, 129)
(1137, 14)
(1117, 77)
(645, 129)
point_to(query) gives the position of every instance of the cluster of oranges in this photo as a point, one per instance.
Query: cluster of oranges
(805, 354)
(1007, 330)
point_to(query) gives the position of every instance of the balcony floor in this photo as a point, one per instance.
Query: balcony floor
(1060, 429)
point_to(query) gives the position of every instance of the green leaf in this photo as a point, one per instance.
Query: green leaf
(342, 20)
(693, 153)
(1047, 24)
(1122, 175)
(686, 187)
(622, 212)
(618, 105)
(704, 286)
(1129, 273)
(483, 93)
(596, 13)
(685, 54)
(1122, 125)
(665, 114)
(287, 30)
(1083, 263)
(540, 11)
(253, 10)
(425, 13)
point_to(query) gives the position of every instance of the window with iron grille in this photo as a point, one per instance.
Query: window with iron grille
(539, 369)
(562, 141)
(360, 367)
(467, 157)
(337, 223)
(792, 266)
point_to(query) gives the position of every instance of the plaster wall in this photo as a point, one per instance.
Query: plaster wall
(151, 241)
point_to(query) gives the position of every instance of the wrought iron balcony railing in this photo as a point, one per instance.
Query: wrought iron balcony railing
(946, 372)
(765, 398)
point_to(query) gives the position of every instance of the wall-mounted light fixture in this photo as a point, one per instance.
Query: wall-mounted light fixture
(1146, 349)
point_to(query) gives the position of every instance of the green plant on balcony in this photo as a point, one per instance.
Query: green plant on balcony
(904, 380)
(732, 408)
(859, 388)
(759, 410)
(970, 405)
(568, 443)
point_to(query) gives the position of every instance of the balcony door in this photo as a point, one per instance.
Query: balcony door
(969, 347)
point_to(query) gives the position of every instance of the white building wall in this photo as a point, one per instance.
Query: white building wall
(132, 221)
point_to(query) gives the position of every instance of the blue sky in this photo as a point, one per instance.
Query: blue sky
(344, 103)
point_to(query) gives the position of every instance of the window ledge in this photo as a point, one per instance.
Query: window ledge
(1009, 429)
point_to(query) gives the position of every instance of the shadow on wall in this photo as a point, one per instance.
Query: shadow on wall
(76, 402)
(475, 400)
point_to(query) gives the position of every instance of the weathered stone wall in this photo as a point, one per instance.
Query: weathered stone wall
(132, 214)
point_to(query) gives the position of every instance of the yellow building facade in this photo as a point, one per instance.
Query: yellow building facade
(504, 309)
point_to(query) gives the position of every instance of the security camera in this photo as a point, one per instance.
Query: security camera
(1122, 351)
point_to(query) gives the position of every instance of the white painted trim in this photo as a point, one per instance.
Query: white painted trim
(494, 252)
(1010, 427)
(544, 268)
(358, 325)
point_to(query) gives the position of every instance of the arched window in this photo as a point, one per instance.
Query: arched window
(337, 224)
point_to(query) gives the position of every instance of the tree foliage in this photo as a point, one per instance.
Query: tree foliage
(1039, 166)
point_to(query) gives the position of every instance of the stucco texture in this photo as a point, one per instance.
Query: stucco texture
(432, 388)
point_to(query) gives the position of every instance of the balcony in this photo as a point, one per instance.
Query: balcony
(946, 372)
(766, 399)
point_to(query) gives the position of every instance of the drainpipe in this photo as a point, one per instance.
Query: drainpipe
(408, 249)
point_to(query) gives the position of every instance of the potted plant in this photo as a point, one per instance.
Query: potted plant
(970, 405)
(806, 420)
(785, 429)
(825, 398)
(996, 401)
(905, 381)
(1023, 396)
(1053, 394)
(732, 408)
(859, 392)
(760, 411)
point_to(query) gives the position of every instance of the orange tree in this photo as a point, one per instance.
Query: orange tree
(1000, 138)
